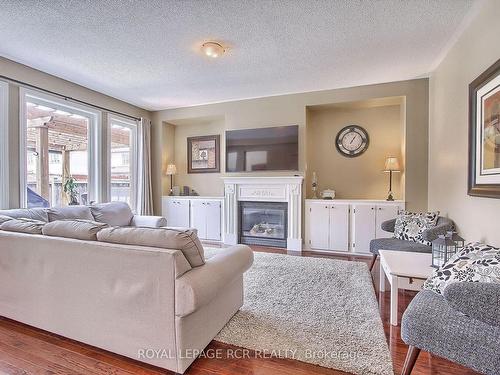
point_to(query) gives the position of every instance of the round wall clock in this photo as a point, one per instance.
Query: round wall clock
(352, 141)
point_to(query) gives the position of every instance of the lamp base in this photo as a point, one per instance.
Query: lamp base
(390, 198)
(171, 192)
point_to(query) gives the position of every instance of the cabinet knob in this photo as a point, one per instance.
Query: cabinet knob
(373, 208)
(380, 208)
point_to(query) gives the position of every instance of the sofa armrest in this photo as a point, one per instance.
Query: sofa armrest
(479, 301)
(388, 225)
(199, 286)
(148, 221)
(432, 233)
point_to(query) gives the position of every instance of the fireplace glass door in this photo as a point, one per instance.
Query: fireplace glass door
(263, 223)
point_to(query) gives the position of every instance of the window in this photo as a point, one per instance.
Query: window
(4, 145)
(59, 153)
(123, 160)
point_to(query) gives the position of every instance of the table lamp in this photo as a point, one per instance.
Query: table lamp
(391, 165)
(171, 170)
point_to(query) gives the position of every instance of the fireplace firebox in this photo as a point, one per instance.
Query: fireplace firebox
(263, 223)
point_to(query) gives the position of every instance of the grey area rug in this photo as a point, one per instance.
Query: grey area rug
(315, 310)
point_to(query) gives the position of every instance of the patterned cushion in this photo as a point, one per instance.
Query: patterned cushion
(410, 225)
(476, 262)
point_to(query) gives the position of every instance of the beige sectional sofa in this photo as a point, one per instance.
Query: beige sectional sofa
(151, 303)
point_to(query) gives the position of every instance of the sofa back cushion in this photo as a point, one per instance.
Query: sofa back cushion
(22, 225)
(39, 214)
(69, 213)
(184, 240)
(79, 229)
(4, 218)
(115, 214)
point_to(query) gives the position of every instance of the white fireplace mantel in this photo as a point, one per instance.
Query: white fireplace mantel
(264, 189)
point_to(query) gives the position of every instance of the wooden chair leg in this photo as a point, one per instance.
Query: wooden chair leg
(411, 358)
(374, 258)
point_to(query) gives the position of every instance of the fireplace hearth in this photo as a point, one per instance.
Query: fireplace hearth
(263, 223)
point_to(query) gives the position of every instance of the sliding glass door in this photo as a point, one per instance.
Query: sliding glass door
(60, 153)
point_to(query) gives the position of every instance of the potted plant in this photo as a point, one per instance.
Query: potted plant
(69, 188)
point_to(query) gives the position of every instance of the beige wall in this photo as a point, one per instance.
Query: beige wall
(49, 82)
(360, 177)
(476, 49)
(292, 110)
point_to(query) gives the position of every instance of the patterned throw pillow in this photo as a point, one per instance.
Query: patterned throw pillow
(410, 225)
(476, 262)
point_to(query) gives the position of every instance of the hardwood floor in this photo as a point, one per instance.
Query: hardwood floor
(27, 350)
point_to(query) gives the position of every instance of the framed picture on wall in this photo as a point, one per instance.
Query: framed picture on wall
(484, 134)
(203, 154)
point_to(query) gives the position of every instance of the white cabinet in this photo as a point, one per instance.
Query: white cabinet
(347, 225)
(206, 217)
(328, 226)
(363, 220)
(176, 211)
(366, 222)
(384, 213)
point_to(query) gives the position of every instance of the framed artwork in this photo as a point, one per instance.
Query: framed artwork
(203, 154)
(484, 134)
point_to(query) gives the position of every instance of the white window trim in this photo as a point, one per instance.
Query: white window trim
(134, 150)
(4, 144)
(94, 149)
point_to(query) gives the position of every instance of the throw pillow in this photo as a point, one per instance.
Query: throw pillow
(476, 262)
(115, 214)
(85, 230)
(22, 225)
(409, 226)
(184, 240)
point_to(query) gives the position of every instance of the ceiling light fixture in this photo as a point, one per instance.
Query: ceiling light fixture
(212, 49)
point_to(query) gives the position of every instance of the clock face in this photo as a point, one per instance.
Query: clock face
(352, 141)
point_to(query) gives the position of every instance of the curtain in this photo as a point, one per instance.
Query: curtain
(145, 188)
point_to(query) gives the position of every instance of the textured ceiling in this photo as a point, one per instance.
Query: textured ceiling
(147, 52)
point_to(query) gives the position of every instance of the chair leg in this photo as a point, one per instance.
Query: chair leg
(411, 358)
(374, 258)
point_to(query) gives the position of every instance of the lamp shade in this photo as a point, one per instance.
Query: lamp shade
(171, 169)
(391, 164)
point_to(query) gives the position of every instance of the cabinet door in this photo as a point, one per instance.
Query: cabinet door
(213, 218)
(364, 227)
(385, 212)
(319, 218)
(339, 227)
(199, 217)
(177, 214)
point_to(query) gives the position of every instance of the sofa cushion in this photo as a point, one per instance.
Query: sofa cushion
(476, 262)
(79, 229)
(23, 225)
(184, 240)
(69, 213)
(27, 213)
(399, 245)
(409, 226)
(116, 214)
(4, 218)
